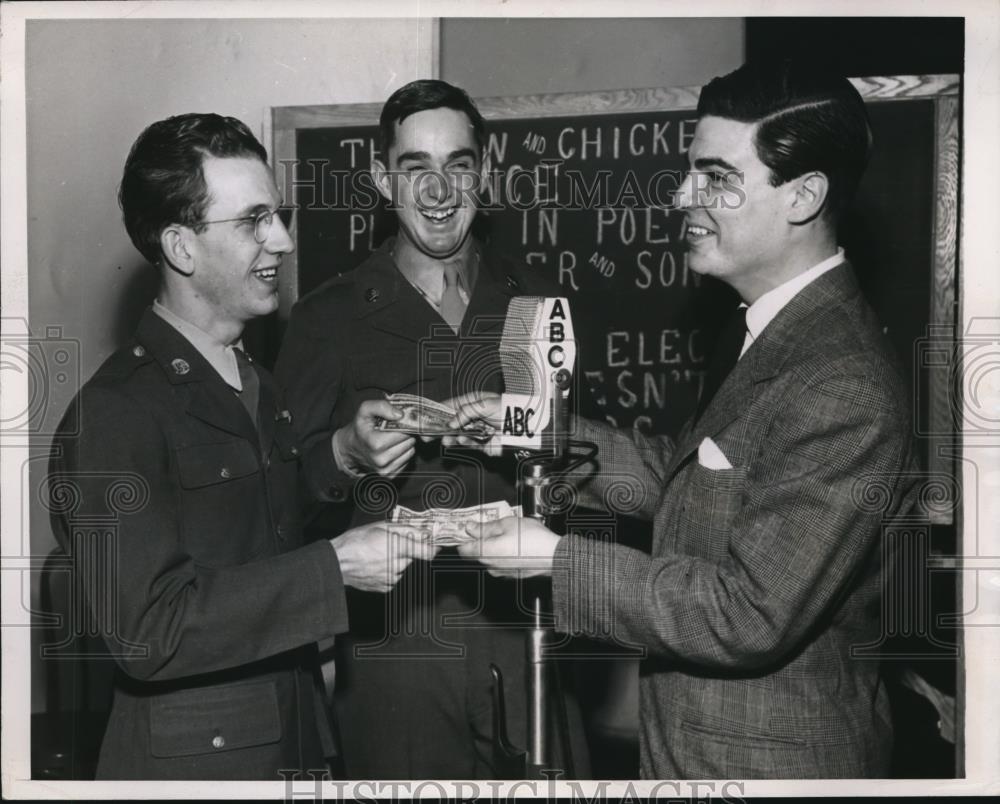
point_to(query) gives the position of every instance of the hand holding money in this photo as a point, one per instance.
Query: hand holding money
(425, 417)
(362, 446)
(444, 527)
(373, 557)
(474, 411)
(512, 547)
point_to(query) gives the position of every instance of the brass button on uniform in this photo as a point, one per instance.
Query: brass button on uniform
(138, 351)
(225, 473)
(218, 741)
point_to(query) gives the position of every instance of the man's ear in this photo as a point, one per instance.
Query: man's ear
(176, 247)
(383, 179)
(808, 197)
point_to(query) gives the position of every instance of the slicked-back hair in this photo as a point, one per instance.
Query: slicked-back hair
(419, 96)
(807, 119)
(163, 182)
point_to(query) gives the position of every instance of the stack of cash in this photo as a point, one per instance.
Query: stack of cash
(422, 416)
(446, 526)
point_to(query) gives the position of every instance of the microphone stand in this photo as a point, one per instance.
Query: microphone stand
(545, 701)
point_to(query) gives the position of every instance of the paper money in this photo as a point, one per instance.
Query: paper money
(447, 526)
(422, 416)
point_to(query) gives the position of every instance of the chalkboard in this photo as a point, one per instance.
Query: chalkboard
(587, 179)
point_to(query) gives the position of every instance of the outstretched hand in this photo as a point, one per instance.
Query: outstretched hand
(513, 547)
(373, 557)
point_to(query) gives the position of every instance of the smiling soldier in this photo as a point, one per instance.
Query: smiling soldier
(424, 315)
(204, 591)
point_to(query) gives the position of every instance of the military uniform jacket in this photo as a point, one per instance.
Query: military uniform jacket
(414, 682)
(371, 333)
(182, 519)
(764, 578)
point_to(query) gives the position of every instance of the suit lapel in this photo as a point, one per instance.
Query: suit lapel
(787, 331)
(209, 398)
(765, 358)
(730, 402)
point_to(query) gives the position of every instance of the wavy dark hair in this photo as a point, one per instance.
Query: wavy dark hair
(419, 96)
(163, 182)
(807, 119)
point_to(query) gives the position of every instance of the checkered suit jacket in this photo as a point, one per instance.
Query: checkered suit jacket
(764, 576)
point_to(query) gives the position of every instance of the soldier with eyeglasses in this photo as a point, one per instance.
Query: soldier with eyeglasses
(205, 593)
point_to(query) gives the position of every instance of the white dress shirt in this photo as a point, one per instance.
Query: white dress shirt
(220, 356)
(763, 311)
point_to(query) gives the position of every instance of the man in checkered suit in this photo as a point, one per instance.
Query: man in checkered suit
(767, 562)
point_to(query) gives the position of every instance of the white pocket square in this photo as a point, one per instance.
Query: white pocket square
(711, 457)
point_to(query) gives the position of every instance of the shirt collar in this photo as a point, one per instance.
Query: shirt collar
(220, 356)
(430, 282)
(763, 311)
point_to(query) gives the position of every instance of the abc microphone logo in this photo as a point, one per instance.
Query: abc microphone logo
(517, 421)
(537, 343)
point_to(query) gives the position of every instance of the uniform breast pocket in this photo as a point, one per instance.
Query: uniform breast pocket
(391, 372)
(222, 502)
(710, 502)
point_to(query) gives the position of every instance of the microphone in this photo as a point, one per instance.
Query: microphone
(537, 353)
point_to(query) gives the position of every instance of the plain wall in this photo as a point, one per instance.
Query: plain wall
(529, 56)
(93, 85)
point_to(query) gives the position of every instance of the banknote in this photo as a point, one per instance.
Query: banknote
(447, 526)
(421, 401)
(422, 416)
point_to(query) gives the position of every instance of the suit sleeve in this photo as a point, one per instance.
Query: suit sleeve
(310, 372)
(799, 539)
(166, 616)
(628, 463)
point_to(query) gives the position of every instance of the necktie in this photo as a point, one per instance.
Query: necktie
(250, 394)
(452, 306)
(725, 357)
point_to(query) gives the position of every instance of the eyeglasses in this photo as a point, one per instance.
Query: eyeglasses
(262, 221)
